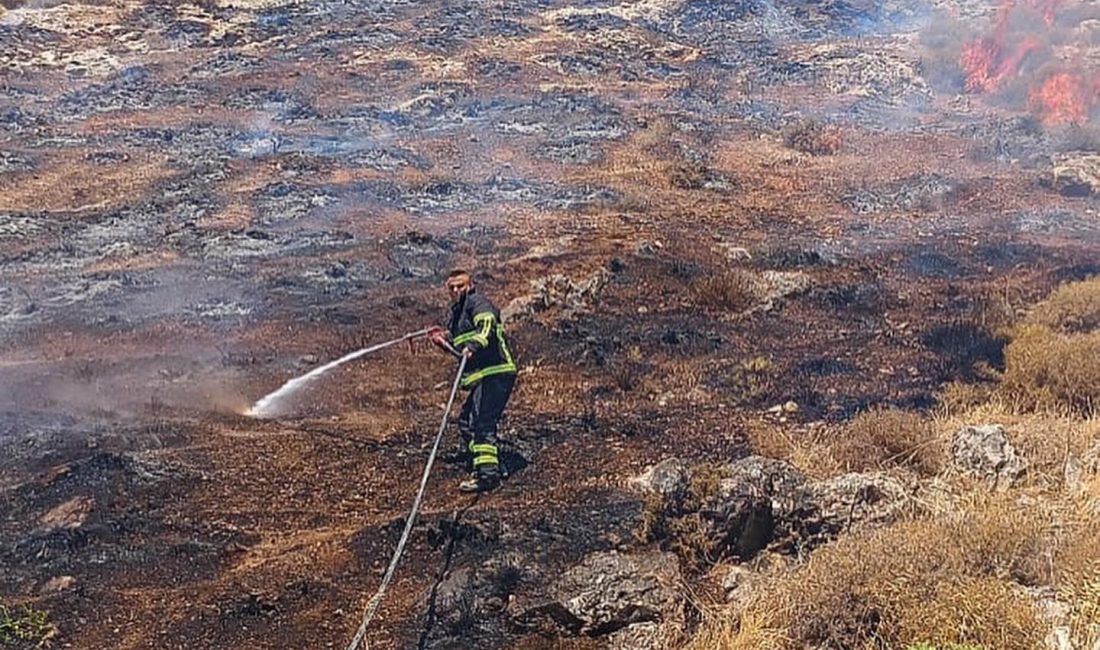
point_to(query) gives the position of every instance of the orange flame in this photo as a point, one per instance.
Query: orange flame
(1065, 98)
(985, 66)
(988, 62)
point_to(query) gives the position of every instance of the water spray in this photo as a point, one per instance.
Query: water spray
(267, 406)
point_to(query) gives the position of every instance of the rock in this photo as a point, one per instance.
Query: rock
(1059, 639)
(667, 479)
(765, 503)
(756, 502)
(732, 252)
(644, 636)
(69, 515)
(985, 451)
(1076, 173)
(609, 592)
(455, 599)
(558, 291)
(839, 504)
(735, 578)
(58, 584)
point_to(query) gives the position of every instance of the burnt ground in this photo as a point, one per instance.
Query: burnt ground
(201, 200)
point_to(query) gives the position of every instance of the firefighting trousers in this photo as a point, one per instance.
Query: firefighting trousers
(479, 418)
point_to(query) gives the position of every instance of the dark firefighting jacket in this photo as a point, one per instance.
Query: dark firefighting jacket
(475, 323)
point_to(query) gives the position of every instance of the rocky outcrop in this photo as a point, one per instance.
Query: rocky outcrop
(1076, 173)
(558, 291)
(758, 503)
(852, 500)
(985, 451)
(667, 480)
(634, 597)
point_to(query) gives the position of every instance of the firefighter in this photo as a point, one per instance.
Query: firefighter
(476, 332)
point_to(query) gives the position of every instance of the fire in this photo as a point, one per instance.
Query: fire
(978, 60)
(985, 66)
(990, 61)
(1064, 98)
(1047, 7)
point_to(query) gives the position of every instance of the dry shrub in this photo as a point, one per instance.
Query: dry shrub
(933, 580)
(1047, 370)
(751, 380)
(734, 290)
(1078, 571)
(1071, 308)
(627, 376)
(1053, 446)
(960, 396)
(813, 137)
(885, 437)
(811, 451)
(678, 525)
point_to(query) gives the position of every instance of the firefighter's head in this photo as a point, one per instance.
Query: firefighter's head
(459, 283)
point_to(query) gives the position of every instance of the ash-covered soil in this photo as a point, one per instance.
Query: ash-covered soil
(201, 200)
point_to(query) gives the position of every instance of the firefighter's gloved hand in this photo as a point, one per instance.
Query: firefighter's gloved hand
(438, 336)
(468, 351)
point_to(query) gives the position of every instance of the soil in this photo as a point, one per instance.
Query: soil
(199, 201)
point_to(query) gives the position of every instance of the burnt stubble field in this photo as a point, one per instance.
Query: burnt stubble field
(720, 230)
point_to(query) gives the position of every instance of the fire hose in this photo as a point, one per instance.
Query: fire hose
(376, 600)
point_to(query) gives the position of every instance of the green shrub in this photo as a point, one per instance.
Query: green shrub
(24, 628)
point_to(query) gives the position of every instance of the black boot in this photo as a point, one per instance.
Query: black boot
(481, 482)
(460, 455)
(457, 456)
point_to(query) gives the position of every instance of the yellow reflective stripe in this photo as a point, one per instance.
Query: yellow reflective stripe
(480, 335)
(509, 364)
(486, 319)
(504, 346)
(463, 338)
(486, 460)
(474, 377)
(484, 449)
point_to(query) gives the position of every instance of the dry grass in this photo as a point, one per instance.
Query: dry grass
(884, 437)
(731, 291)
(679, 526)
(942, 580)
(956, 575)
(1071, 308)
(1052, 371)
(813, 137)
(811, 451)
(751, 380)
(878, 439)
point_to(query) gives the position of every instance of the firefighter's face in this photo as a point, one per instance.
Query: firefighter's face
(458, 286)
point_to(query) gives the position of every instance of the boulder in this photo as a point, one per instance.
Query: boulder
(609, 592)
(667, 479)
(561, 292)
(985, 451)
(1076, 173)
(759, 500)
(644, 636)
(836, 505)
